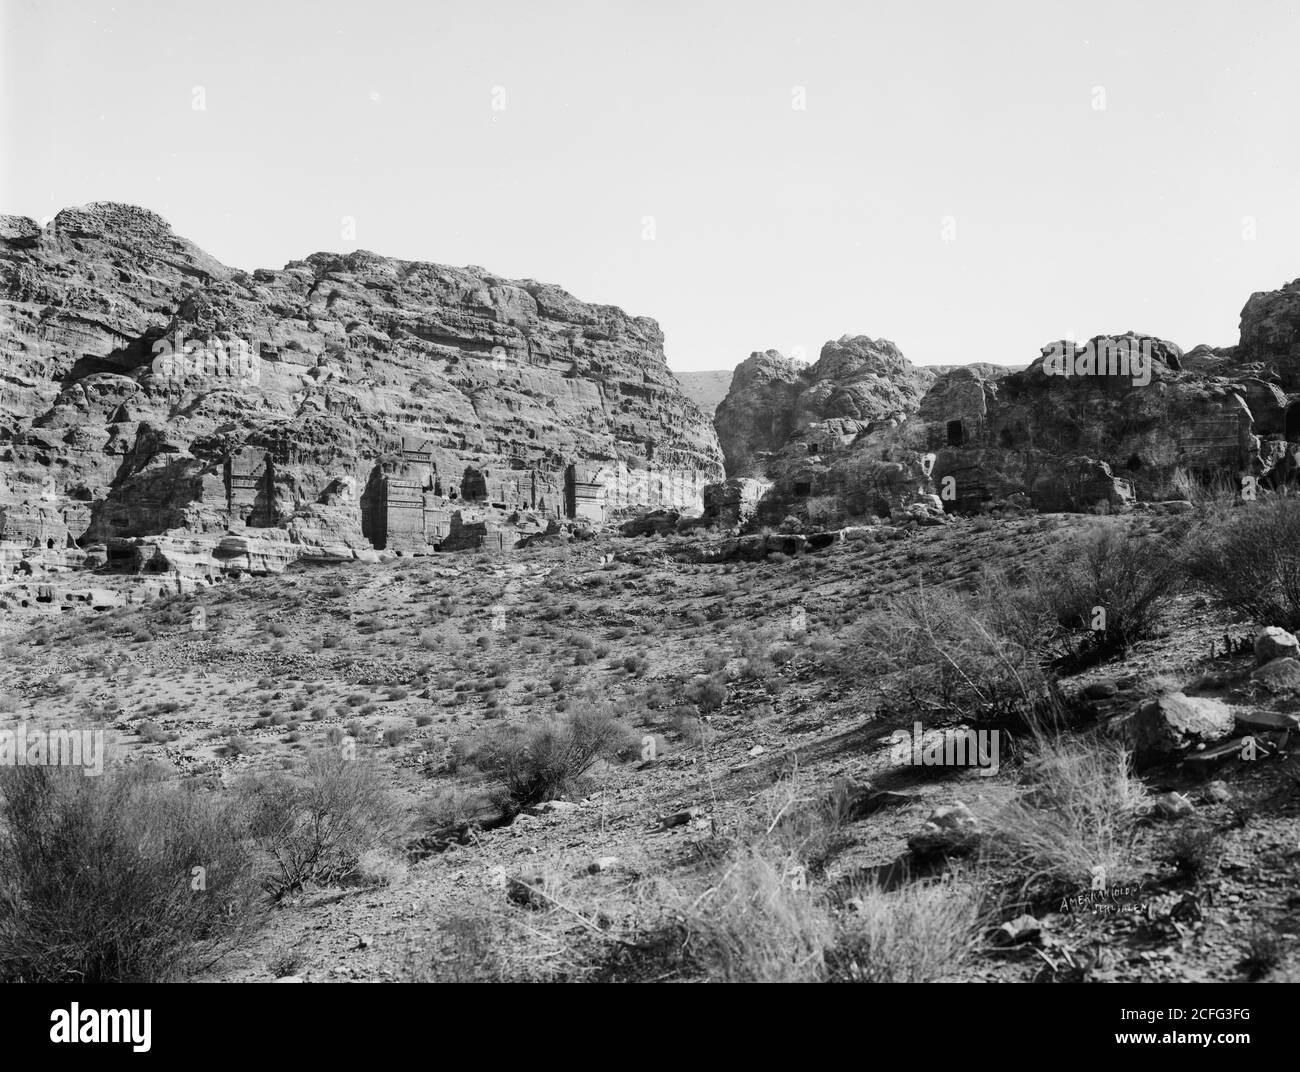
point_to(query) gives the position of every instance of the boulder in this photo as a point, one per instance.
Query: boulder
(772, 398)
(1159, 730)
(1279, 675)
(1274, 642)
(1251, 722)
(654, 523)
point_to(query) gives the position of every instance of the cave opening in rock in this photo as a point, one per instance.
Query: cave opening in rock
(1292, 427)
(803, 488)
(473, 485)
(956, 434)
(1133, 464)
(1005, 438)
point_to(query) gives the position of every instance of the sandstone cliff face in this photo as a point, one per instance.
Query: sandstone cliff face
(379, 403)
(856, 379)
(757, 416)
(827, 441)
(1071, 443)
(981, 436)
(1270, 333)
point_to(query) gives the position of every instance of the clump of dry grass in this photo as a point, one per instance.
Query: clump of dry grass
(1076, 813)
(1195, 849)
(760, 921)
(453, 805)
(917, 934)
(755, 925)
(810, 827)
(486, 940)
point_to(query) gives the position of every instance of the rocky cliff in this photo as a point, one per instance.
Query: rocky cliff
(341, 405)
(856, 381)
(864, 432)
(1270, 333)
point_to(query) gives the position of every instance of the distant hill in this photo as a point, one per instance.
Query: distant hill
(705, 389)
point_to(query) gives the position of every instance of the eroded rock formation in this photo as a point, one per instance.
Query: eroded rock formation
(865, 432)
(856, 382)
(163, 405)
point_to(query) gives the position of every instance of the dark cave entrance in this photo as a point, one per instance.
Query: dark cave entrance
(956, 434)
(1292, 428)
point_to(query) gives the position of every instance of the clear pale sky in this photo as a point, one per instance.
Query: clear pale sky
(950, 184)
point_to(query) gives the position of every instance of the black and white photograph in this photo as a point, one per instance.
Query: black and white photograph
(570, 492)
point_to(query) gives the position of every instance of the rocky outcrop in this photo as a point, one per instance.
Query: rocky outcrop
(1270, 333)
(758, 414)
(1105, 437)
(856, 382)
(735, 502)
(1104, 425)
(825, 439)
(347, 402)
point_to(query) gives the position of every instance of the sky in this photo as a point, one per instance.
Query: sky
(969, 180)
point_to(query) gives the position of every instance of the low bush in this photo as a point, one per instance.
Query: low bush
(315, 827)
(1112, 582)
(933, 650)
(551, 758)
(118, 878)
(1249, 560)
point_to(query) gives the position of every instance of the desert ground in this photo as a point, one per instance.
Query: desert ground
(722, 798)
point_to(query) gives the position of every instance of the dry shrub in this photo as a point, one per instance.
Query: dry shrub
(316, 827)
(811, 829)
(381, 867)
(486, 940)
(1129, 577)
(1219, 493)
(454, 806)
(707, 692)
(1249, 559)
(755, 924)
(550, 758)
(98, 879)
(940, 651)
